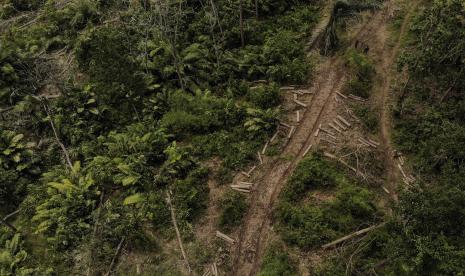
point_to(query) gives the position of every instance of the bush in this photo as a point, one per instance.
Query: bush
(369, 116)
(277, 262)
(311, 173)
(309, 225)
(363, 73)
(265, 96)
(234, 208)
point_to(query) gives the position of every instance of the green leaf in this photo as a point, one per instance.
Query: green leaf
(80, 109)
(76, 167)
(17, 157)
(133, 199)
(124, 168)
(17, 138)
(90, 101)
(94, 111)
(129, 180)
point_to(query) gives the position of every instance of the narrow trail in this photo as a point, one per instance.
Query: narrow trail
(272, 176)
(389, 58)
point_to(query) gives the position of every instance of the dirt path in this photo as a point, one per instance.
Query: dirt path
(272, 176)
(388, 60)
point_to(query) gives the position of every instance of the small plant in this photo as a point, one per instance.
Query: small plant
(234, 208)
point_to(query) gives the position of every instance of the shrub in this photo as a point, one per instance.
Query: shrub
(363, 72)
(277, 262)
(369, 116)
(234, 208)
(311, 173)
(264, 96)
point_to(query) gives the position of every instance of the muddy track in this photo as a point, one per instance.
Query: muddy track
(389, 58)
(273, 175)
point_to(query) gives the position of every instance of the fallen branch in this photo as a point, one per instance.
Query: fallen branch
(6, 223)
(300, 103)
(307, 150)
(265, 147)
(342, 95)
(178, 234)
(274, 136)
(63, 148)
(251, 170)
(353, 235)
(344, 121)
(291, 132)
(339, 124)
(260, 157)
(115, 256)
(225, 237)
(329, 155)
(335, 128)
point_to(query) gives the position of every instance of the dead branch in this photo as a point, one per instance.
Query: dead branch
(350, 236)
(178, 234)
(115, 256)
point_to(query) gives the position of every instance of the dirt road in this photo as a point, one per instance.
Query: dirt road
(272, 176)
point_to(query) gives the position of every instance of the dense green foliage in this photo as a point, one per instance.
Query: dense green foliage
(108, 105)
(425, 237)
(362, 71)
(234, 209)
(431, 128)
(313, 222)
(277, 262)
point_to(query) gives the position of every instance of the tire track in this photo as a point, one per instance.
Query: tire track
(254, 232)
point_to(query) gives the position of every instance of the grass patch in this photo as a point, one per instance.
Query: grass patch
(277, 262)
(306, 224)
(234, 208)
(362, 71)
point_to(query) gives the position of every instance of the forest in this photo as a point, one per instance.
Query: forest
(193, 137)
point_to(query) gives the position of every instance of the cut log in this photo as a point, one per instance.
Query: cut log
(368, 142)
(246, 183)
(265, 147)
(245, 174)
(342, 95)
(291, 132)
(339, 124)
(207, 272)
(240, 190)
(274, 137)
(344, 121)
(386, 190)
(306, 92)
(373, 142)
(307, 150)
(353, 235)
(284, 124)
(297, 115)
(335, 128)
(260, 157)
(364, 143)
(329, 155)
(295, 97)
(300, 103)
(402, 170)
(225, 237)
(327, 131)
(356, 98)
(251, 170)
(317, 132)
(287, 88)
(326, 140)
(214, 269)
